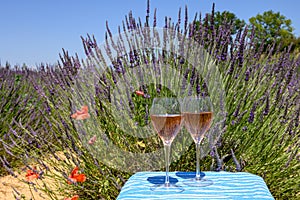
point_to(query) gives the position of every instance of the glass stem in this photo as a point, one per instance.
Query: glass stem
(198, 172)
(167, 161)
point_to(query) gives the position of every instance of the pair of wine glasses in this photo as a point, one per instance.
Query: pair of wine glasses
(167, 116)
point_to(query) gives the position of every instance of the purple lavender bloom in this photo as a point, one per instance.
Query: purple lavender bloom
(230, 71)
(192, 79)
(181, 61)
(185, 78)
(154, 18)
(212, 21)
(198, 87)
(179, 17)
(158, 89)
(241, 48)
(205, 90)
(8, 168)
(251, 117)
(236, 113)
(64, 124)
(247, 74)
(147, 96)
(267, 108)
(6, 148)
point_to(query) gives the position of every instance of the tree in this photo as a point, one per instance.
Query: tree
(270, 27)
(227, 18)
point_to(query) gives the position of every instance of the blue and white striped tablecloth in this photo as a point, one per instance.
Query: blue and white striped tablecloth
(226, 185)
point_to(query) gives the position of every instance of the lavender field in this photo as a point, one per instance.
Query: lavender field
(260, 133)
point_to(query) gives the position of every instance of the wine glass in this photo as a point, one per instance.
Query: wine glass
(198, 115)
(167, 120)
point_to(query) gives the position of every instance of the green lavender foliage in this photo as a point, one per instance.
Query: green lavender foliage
(17, 104)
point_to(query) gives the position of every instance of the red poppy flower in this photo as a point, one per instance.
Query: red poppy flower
(81, 114)
(93, 139)
(140, 93)
(31, 174)
(75, 197)
(75, 177)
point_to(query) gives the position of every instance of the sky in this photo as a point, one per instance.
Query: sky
(35, 31)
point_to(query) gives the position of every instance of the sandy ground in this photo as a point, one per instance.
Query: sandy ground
(7, 183)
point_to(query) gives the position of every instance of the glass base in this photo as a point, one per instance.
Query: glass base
(167, 188)
(198, 182)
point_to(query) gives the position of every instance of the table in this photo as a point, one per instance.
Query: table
(226, 185)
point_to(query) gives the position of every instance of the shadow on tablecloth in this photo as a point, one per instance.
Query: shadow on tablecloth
(189, 175)
(161, 180)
